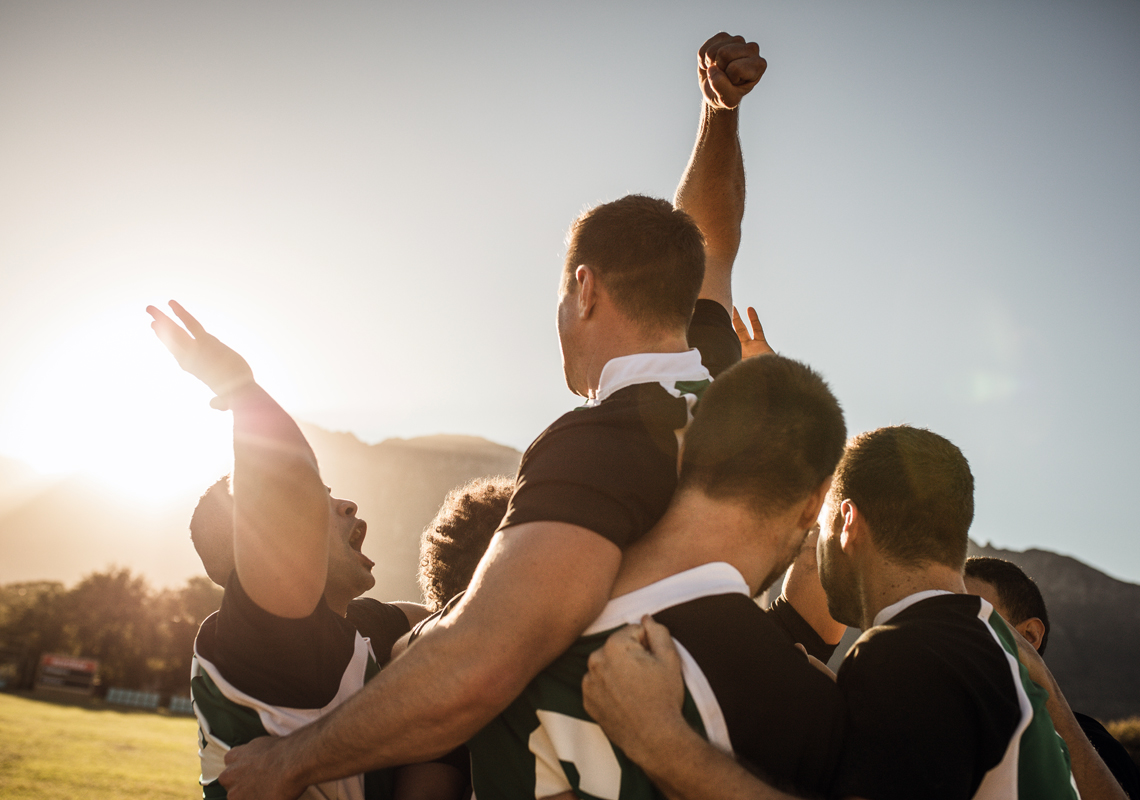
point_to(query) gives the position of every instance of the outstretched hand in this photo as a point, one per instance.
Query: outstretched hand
(201, 354)
(728, 67)
(751, 343)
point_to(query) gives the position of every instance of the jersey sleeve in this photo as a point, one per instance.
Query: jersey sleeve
(296, 663)
(909, 731)
(797, 629)
(712, 333)
(610, 469)
(785, 718)
(382, 624)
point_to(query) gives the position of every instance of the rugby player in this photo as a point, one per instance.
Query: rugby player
(590, 485)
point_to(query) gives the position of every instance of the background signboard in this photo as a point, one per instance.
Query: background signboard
(67, 673)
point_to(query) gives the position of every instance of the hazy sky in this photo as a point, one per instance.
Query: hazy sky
(368, 200)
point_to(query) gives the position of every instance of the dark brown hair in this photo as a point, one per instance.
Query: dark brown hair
(1016, 590)
(212, 530)
(915, 490)
(649, 257)
(768, 431)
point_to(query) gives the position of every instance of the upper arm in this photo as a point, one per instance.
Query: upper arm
(281, 509)
(538, 587)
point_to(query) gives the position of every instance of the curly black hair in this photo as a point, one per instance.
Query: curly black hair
(454, 542)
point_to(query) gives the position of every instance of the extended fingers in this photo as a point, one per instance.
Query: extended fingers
(741, 329)
(168, 332)
(192, 325)
(757, 328)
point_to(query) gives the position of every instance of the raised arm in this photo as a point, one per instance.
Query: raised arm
(535, 591)
(1093, 778)
(281, 507)
(712, 188)
(634, 691)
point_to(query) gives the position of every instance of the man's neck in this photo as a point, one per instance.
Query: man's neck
(695, 531)
(339, 605)
(890, 582)
(616, 341)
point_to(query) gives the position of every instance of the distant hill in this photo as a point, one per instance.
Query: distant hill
(74, 527)
(64, 529)
(400, 484)
(1094, 639)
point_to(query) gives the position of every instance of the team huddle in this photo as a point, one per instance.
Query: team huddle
(589, 627)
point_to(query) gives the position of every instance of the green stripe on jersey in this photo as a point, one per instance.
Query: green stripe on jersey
(545, 742)
(692, 387)
(1040, 773)
(230, 722)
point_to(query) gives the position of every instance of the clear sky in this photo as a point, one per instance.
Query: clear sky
(369, 200)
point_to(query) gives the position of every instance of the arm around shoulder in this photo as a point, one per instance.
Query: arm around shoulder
(537, 589)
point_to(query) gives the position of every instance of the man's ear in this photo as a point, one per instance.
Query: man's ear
(854, 527)
(1033, 630)
(587, 290)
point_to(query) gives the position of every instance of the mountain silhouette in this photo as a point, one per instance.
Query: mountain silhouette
(64, 529)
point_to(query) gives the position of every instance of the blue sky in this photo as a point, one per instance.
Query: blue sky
(369, 201)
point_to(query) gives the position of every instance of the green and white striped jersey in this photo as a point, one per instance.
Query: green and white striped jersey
(747, 690)
(940, 707)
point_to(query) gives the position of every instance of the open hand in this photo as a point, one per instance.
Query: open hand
(201, 354)
(751, 343)
(728, 67)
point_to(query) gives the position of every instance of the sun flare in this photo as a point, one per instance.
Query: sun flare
(107, 399)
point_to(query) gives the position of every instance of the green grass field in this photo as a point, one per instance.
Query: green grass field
(50, 751)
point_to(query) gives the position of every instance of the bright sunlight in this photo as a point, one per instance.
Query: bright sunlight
(107, 399)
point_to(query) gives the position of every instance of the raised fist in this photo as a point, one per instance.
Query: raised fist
(728, 67)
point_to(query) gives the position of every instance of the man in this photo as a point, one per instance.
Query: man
(756, 465)
(280, 652)
(255, 672)
(1015, 596)
(938, 705)
(591, 484)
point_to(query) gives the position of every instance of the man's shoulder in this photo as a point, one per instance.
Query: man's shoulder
(381, 623)
(784, 718)
(650, 403)
(930, 619)
(729, 633)
(941, 645)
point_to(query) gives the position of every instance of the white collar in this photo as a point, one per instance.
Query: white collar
(717, 577)
(885, 615)
(623, 371)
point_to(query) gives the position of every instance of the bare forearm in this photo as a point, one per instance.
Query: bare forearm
(537, 589)
(280, 507)
(712, 193)
(1094, 780)
(418, 708)
(686, 767)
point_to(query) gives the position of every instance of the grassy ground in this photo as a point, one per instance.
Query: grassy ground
(51, 751)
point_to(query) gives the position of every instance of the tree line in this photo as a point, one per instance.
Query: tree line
(143, 638)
